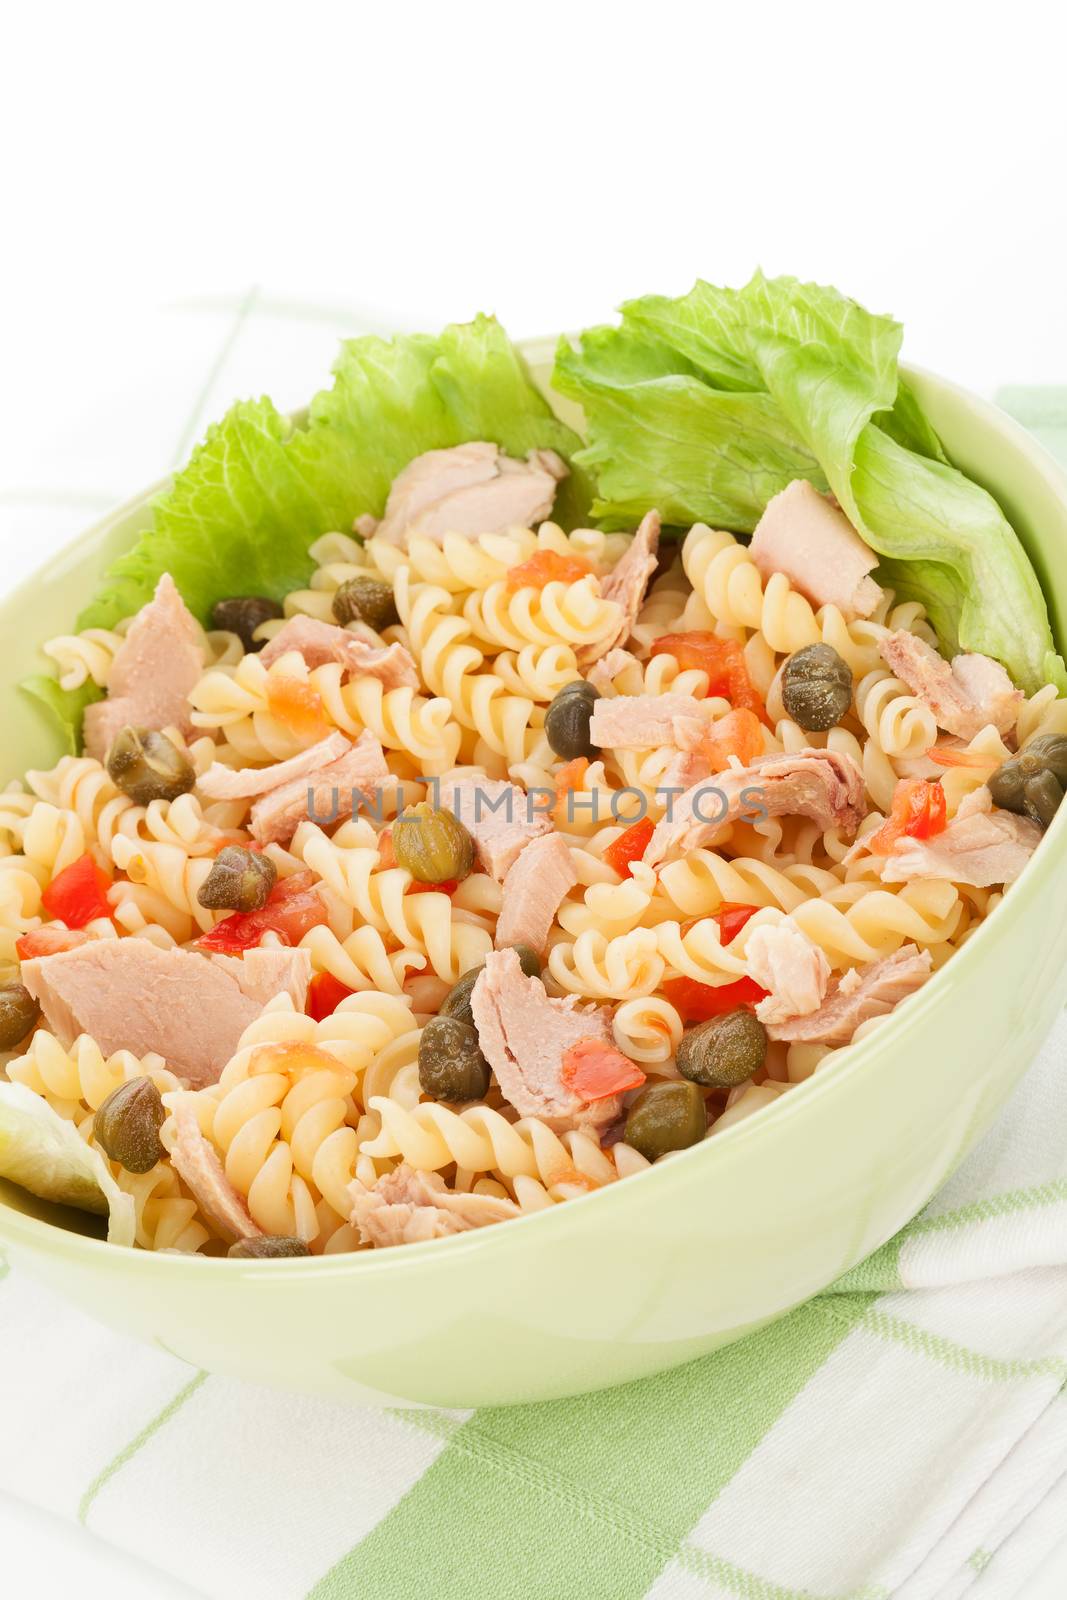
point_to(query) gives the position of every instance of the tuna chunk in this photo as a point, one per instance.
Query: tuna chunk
(825, 785)
(197, 1163)
(981, 846)
(152, 674)
(646, 721)
(470, 489)
(524, 1036)
(326, 796)
(813, 543)
(262, 975)
(408, 1207)
(220, 782)
(861, 994)
(534, 889)
(626, 585)
(964, 697)
(499, 816)
(791, 967)
(128, 994)
(320, 642)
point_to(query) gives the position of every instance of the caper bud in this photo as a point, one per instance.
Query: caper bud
(724, 1051)
(267, 1247)
(567, 720)
(148, 766)
(666, 1116)
(816, 687)
(433, 846)
(1032, 783)
(457, 1002)
(366, 600)
(451, 1064)
(18, 1013)
(127, 1125)
(243, 615)
(240, 880)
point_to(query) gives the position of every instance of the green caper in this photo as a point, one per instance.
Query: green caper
(243, 615)
(148, 766)
(18, 1013)
(724, 1051)
(666, 1116)
(366, 600)
(126, 1127)
(1032, 784)
(567, 720)
(433, 846)
(816, 687)
(240, 880)
(457, 1002)
(267, 1247)
(451, 1064)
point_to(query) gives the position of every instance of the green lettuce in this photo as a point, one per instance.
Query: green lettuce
(260, 489)
(65, 707)
(707, 405)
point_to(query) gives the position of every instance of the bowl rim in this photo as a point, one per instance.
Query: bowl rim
(20, 1228)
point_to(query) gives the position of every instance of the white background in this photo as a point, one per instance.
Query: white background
(401, 166)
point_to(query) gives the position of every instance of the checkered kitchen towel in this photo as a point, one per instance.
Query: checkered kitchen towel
(904, 1435)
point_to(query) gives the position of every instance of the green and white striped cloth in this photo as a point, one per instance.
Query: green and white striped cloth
(904, 1435)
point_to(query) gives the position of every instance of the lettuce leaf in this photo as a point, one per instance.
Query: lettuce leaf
(707, 405)
(45, 1154)
(64, 706)
(259, 490)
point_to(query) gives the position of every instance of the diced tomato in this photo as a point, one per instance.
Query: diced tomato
(568, 778)
(918, 811)
(696, 1002)
(737, 734)
(446, 886)
(547, 566)
(78, 894)
(293, 909)
(386, 853)
(297, 706)
(724, 662)
(731, 919)
(594, 1070)
(629, 847)
(49, 942)
(947, 755)
(325, 993)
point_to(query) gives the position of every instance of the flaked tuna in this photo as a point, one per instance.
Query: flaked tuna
(128, 994)
(524, 1036)
(197, 1163)
(500, 817)
(783, 960)
(319, 642)
(626, 585)
(981, 846)
(152, 675)
(863, 993)
(803, 536)
(470, 489)
(825, 785)
(409, 1207)
(534, 889)
(220, 782)
(964, 697)
(326, 796)
(647, 721)
(602, 673)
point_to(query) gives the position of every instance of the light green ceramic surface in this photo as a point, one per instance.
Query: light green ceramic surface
(661, 1267)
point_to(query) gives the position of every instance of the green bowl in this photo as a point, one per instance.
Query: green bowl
(652, 1271)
